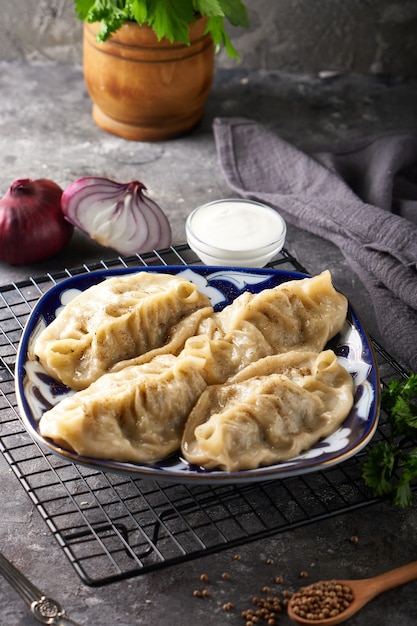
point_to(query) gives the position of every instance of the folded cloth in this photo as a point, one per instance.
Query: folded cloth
(361, 196)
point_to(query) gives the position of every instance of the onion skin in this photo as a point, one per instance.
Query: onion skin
(32, 226)
(116, 215)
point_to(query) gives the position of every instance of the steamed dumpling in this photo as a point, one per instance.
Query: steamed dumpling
(296, 315)
(271, 411)
(136, 414)
(121, 318)
(225, 353)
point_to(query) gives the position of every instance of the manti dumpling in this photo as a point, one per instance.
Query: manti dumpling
(269, 412)
(121, 318)
(296, 315)
(134, 415)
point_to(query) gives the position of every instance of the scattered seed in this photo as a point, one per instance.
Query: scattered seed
(321, 603)
(267, 611)
(354, 539)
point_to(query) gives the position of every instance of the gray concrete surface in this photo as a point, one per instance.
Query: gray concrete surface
(46, 130)
(372, 37)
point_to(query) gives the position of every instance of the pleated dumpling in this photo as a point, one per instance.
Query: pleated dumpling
(271, 411)
(118, 319)
(225, 353)
(296, 315)
(134, 415)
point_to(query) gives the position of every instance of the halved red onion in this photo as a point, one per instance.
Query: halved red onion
(116, 215)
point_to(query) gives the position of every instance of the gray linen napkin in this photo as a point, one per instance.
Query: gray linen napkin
(360, 196)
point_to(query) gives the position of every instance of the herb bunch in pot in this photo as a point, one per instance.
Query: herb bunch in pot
(149, 64)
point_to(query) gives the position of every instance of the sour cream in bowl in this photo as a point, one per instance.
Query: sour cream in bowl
(235, 232)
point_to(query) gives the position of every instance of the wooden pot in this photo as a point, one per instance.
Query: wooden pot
(144, 89)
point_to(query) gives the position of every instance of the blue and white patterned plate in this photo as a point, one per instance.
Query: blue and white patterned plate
(37, 392)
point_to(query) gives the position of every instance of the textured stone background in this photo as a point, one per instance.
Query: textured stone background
(360, 36)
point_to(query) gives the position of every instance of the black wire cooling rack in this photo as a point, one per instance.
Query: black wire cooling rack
(113, 527)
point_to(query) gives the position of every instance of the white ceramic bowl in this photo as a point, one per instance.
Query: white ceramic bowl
(235, 232)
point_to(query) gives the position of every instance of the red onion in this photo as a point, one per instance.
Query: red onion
(116, 215)
(32, 226)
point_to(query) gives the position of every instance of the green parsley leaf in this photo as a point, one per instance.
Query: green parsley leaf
(139, 10)
(170, 19)
(215, 26)
(111, 14)
(235, 12)
(378, 468)
(82, 8)
(408, 472)
(400, 401)
(389, 469)
(208, 7)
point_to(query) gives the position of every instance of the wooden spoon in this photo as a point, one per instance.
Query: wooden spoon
(363, 591)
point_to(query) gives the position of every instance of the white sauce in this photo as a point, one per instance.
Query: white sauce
(237, 225)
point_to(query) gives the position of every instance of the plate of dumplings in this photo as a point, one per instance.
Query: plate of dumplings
(198, 374)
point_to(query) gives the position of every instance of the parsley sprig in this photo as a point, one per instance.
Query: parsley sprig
(390, 466)
(168, 18)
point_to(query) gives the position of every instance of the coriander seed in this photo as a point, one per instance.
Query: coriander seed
(322, 600)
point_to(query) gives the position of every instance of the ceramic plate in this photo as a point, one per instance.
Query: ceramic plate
(37, 392)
